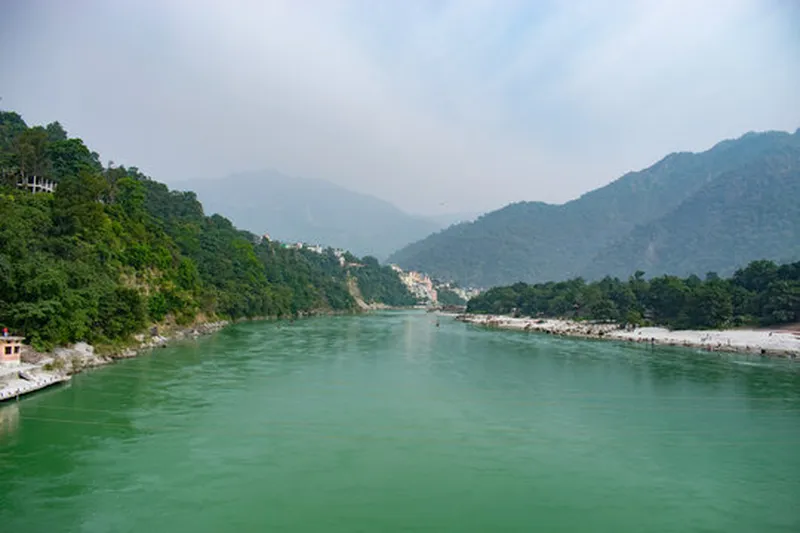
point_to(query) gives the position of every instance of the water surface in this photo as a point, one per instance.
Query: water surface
(389, 423)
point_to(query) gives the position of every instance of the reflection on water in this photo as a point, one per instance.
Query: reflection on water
(9, 419)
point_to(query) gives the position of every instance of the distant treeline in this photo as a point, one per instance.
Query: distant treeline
(112, 251)
(763, 293)
(449, 297)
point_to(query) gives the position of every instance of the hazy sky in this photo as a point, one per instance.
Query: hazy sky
(436, 106)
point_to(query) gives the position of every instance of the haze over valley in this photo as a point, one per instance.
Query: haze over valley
(293, 209)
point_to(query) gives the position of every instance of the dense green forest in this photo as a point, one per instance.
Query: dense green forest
(448, 297)
(711, 211)
(381, 284)
(111, 251)
(763, 293)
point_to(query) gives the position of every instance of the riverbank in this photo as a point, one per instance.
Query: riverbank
(65, 361)
(39, 370)
(19, 380)
(762, 342)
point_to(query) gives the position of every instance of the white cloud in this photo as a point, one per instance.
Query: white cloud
(471, 103)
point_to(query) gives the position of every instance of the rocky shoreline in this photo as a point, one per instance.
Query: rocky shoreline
(38, 370)
(73, 359)
(62, 362)
(760, 342)
(68, 360)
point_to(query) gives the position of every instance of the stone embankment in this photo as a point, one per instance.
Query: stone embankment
(40, 370)
(79, 356)
(18, 380)
(763, 342)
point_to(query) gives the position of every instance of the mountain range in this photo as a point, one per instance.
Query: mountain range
(293, 209)
(688, 213)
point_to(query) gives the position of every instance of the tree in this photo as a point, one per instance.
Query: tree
(756, 276)
(711, 305)
(77, 208)
(11, 126)
(667, 297)
(31, 152)
(782, 303)
(448, 297)
(70, 157)
(55, 132)
(605, 310)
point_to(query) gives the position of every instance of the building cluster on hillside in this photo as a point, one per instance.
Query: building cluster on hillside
(419, 285)
(315, 248)
(426, 289)
(464, 294)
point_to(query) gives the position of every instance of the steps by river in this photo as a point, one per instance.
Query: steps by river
(24, 379)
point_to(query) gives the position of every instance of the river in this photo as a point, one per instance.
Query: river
(386, 422)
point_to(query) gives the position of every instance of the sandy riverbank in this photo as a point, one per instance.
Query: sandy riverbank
(765, 342)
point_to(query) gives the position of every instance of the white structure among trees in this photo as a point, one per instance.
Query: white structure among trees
(36, 184)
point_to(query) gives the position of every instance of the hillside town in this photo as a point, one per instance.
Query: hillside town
(427, 290)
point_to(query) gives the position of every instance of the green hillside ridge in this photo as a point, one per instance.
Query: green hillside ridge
(751, 212)
(112, 251)
(534, 241)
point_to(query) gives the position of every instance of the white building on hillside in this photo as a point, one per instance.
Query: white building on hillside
(36, 184)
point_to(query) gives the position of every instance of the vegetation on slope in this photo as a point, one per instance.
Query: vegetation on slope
(762, 293)
(676, 216)
(112, 251)
(381, 284)
(751, 213)
(448, 297)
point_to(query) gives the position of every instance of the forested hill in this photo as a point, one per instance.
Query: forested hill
(761, 294)
(112, 251)
(716, 210)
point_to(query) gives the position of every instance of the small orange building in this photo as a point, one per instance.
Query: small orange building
(10, 348)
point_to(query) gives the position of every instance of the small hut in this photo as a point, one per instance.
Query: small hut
(10, 348)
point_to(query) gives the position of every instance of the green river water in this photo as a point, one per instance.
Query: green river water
(386, 423)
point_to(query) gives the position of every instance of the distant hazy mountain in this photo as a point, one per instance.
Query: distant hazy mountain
(314, 211)
(688, 213)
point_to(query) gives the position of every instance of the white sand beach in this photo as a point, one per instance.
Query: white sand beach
(765, 342)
